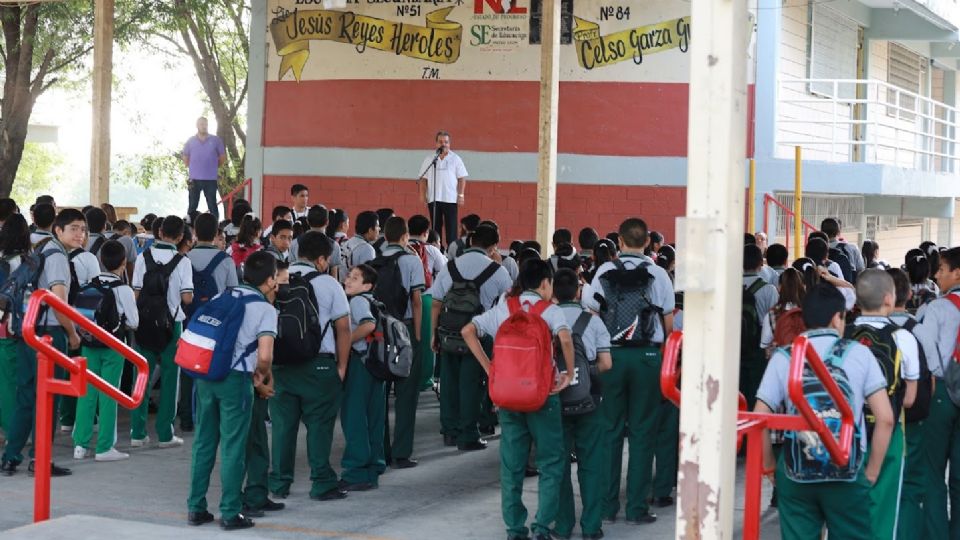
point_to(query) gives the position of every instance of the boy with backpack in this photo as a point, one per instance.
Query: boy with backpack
(636, 300)
(48, 269)
(162, 282)
(468, 286)
(317, 217)
(831, 227)
(813, 491)
(44, 215)
(281, 236)
(97, 226)
(896, 351)
(468, 224)
(362, 415)
(224, 405)
(108, 302)
(523, 328)
(358, 250)
(400, 281)
(309, 369)
(759, 297)
(938, 331)
(582, 426)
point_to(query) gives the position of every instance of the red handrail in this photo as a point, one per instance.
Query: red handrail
(233, 193)
(670, 375)
(75, 386)
(789, 216)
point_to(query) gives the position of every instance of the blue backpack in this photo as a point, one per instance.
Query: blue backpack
(204, 285)
(205, 350)
(805, 456)
(16, 290)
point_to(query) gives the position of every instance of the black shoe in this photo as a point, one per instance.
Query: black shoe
(594, 536)
(334, 494)
(55, 471)
(449, 440)
(404, 463)
(530, 472)
(8, 468)
(271, 506)
(543, 537)
(199, 518)
(472, 446)
(281, 495)
(488, 430)
(356, 486)
(252, 512)
(559, 536)
(236, 523)
(645, 519)
(662, 502)
(186, 428)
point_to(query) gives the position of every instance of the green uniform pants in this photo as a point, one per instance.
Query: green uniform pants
(426, 343)
(631, 395)
(582, 434)
(223, 419)
(362, 419)
(169, 385)
(22, 424)
(185, 403)
(544, 428)
(258, 456)
(405, 412)
(667, 449)
(460, 397)
(68, 404)
(8, 382)
(885, 493)
(108, 364)
(941, 445)
(916, 478)
(307, 392)
(840, 506)
(752, 366)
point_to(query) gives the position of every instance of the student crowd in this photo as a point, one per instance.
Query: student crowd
(329, 319)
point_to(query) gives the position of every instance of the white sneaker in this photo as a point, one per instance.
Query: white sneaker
(66, 429)
(80, 452)
(174, 442)
(112, 455)
(140, 443)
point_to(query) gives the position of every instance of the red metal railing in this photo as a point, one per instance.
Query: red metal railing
(75, 385)
(246, 187)
(750, 425)
(788, 217)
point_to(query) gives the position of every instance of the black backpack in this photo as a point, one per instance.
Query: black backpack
(98, 302)
(204, 284)
(881, 343)
(389, 290)
(74, 280)
(156, 322)
(390, 352)
(16, 290)
(839, 256)
(460, 305)
(921, 404)
(97, 244)
(750, 319)
(299, 335)
(583, 394)
(626, 309)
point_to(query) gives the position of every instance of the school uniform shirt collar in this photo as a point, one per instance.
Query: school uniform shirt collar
(640, 256)
(475, 250)
(308, 264)
(160, 244)
(56, 243)
(254, 289)
(204, 246)
(43, 233)
(110, 276)
(820, 332)
(872, 318)
(531, 293)
(367, 294)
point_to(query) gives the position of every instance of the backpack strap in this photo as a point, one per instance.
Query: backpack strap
(218, 258)
(513, 304)
(168, 268)
(910, 324)
(756, 286)
(97, 244)
(487, 273)
(538, 308)
(580, 326)
(455, 274)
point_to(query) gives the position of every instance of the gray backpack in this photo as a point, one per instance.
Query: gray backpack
(583, 395)
(460, 305)
(627, 312)
(389, 348)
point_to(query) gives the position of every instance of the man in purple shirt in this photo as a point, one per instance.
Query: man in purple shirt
(203, 155)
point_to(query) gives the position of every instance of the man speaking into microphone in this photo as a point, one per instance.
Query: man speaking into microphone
(441, 184)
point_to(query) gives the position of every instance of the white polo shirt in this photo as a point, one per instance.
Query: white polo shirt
(449, 169)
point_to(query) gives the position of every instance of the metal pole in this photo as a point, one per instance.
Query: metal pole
(752, 199)
(798, 204)
(42, 442)
(712, 273)
(549, 112)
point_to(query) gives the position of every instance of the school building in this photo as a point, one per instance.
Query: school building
(346, 100)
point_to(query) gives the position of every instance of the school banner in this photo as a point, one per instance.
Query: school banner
(594, 50)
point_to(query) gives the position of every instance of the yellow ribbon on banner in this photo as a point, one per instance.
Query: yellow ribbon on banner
(438, 41)
(594, 50)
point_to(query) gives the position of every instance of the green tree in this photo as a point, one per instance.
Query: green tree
(40, 165)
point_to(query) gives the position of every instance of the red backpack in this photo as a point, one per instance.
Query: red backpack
(523, 371)
(421, 251)
(240, 252)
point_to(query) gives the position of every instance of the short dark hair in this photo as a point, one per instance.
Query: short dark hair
(418, 225)
(485, 236)
(821, 303)
(901, 285)
(113, 255)
(394, 229)
(951, 257)
(830, 227)
(383, 214)
(777, 255)
(565, 285)
(68, 216)
(367, 274)
(366, 220)
(238, 212)
(656, 238)
(313, 245)
(533, 272)
(44, 214)
(155, 228)
(752, 257)
(749, 239)
(147, 221)
(587, 238)
(44, 199)
(280, 225)
(15, 235)
(872, 286)
(172, 227)
(96, 220)
(562, 236)
(633, 233)
(817, 250)
(441, 133)
(297, 188)
(8, 207)
(206, 227)
(818, 234)
(470, 222)
(258, 268)
(279, 211)
(317, 216)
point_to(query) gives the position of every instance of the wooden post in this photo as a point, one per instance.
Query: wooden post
(712, 256)
(549, 99)
(102, 86)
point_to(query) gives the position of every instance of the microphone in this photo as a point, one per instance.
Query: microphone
(440, 150)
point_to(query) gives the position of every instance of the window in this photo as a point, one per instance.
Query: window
(566, 21)
(906, 70)
(834, 45)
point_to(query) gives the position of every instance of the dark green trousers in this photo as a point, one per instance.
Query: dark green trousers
(362, 420)
(405, 410)
(426, 344)
(752, 366)
(185, 402)
(668, 447)
(916, 479)
(8, 381)
(223, 419)
(169, 385)
(460, 397)
(68, 404)
(582, 434)
(308, 393)
(22, 424)
(258, 456)
(843, 507)
(941, 445)
(544, 428)
(631, 395)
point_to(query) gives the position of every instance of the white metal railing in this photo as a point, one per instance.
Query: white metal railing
(867, 121)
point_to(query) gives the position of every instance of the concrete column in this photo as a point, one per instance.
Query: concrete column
(549, 114)
(256, 89)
